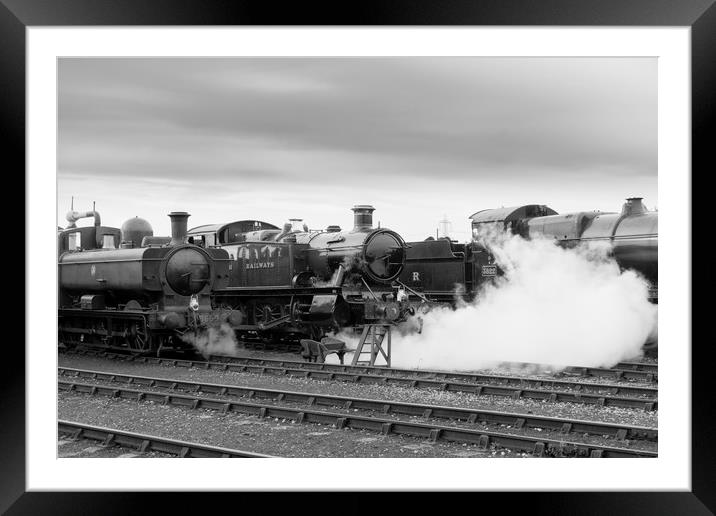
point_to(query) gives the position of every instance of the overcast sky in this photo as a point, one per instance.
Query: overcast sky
(419, 138)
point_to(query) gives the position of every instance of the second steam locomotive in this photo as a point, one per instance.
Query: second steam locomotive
(293, 283)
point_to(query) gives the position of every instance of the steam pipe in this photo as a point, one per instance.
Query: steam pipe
(74, 216)
(340, 273)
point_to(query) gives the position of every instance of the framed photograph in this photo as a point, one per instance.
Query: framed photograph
(333, 186)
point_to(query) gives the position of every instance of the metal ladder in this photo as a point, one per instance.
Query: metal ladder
(372, 338)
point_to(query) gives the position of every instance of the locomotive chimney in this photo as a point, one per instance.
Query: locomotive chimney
(179, 219)
(633, 206)
(362, 217)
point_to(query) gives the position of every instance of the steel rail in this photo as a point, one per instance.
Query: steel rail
(619, 374)
(646, 404)
(409, 374)
(638, 366)
(536, 445)
(426, 411)
(647, 373)
(649, 376)
(144, 443)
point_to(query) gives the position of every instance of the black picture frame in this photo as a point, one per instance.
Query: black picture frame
(700, 15)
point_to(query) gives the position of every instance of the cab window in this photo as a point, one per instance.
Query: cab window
(74, 241)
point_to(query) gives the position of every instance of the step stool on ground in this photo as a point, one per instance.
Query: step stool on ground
(314, 351)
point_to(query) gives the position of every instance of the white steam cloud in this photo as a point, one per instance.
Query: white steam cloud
(213, 340)
(553, 306)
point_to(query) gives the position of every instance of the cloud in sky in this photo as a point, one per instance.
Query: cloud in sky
(272, 138)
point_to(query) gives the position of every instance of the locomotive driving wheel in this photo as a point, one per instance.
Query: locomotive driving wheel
(137, 337)
(266, 312)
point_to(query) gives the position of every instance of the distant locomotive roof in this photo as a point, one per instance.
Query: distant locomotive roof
(227, 232)
(511, 213)
(206, 228)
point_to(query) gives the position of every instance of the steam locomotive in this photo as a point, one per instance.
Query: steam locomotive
(444, 271)
(293, 283)
(127, 289)
(116, 293)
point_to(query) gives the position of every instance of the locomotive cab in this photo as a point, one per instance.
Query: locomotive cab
(88, 238)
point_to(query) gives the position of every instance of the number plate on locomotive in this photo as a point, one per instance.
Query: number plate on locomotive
(489, 270)
(208, 318)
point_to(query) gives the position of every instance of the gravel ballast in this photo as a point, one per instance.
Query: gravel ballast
(249, 433)
(88, 448)
(383, 392)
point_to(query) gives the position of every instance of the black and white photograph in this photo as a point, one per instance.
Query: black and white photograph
(378, 250)
(373, 258)
(357, 257)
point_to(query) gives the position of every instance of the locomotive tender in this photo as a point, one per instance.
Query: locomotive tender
(445, 271)
(118, 295)
(293, 283)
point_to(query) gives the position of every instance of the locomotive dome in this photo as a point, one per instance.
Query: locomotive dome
(134, 230)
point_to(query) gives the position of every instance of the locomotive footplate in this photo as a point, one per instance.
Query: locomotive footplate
(111, 329)
(273, 291)
(115, 315)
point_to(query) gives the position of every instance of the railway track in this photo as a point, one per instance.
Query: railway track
(144, 443)
(515, 387)
(614, 372)
(635, 371)
(263, 365)
(638, 366)
(427, 411)
(622, 371)
(433, 432)
(639, 371)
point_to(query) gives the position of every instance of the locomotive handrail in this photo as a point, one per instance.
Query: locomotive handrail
(369, 289)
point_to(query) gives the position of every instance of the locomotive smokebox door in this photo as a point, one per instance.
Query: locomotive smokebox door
(92, 302)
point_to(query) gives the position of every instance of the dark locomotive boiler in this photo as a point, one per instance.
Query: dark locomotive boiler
(132, 297)
(374, 255)
(632, 234)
